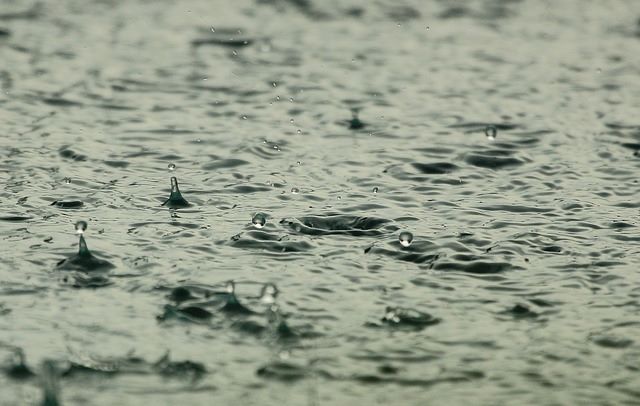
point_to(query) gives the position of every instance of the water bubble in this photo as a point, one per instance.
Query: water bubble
(81, 226)
(259, 220)
(295, 190)
(67, 180)
(375, 189)
(230, 287)
(172, 167)
(269, 293)
(405, 238)
(491, 132)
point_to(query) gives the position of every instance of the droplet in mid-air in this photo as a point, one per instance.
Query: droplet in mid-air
(81, 227)
(175, 200)
(295, 190)
(67, 180)
(405, 238)
(491, 132)
(172, 167)
(375, 189)
(259, 220)
(232, 305)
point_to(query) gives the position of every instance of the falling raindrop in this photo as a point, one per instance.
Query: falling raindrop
(295, 190)
(213, 29)
(172, 167)
(259, 220)
(405, 238)
(81, 227)
(67, 180)
(491, 132)
(375, 189)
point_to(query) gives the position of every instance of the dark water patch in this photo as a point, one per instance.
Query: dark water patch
(4, 32)
(68, 204)
(223, 42)
(515, 208)
(613, 342)
(15, 219)
(491, 161)
(67, 153)
(224, 164)
(60, 102)
(438, 168)
(521, 311)
(336, 224)
(475, 267)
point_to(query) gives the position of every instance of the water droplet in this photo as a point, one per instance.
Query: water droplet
(291, 120)
(299, 131)
(278, 98)
(491, 132)
(259, 220)
(299, 163)
(230, 287)
(274, 84)
(428, 28)
(172, 167)
(244, 117)
(405, 238)
(269, 293)
(375, 189)
(67, 180)
(81, 226)
(213, 29)
(235, 52)
(295, 190)
(291, 99)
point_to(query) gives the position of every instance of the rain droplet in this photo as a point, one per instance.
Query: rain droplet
(259, 220)
(67, 180)
(235, 52)
(491, 132)
(274, 84)
(291, 120)
(295, 190)
(244, 117)
(375, 189)
(278, 98)
(172, 167)
(231, 287)
(299, 163)
(405, 238)
(299, 131)
(291, 99)
(81, 226)
(213, 29)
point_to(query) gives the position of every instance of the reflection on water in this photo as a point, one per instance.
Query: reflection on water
(430, 201)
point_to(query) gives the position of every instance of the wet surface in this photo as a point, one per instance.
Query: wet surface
(444, 196)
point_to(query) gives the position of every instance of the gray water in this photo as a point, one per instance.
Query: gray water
(345, 123)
